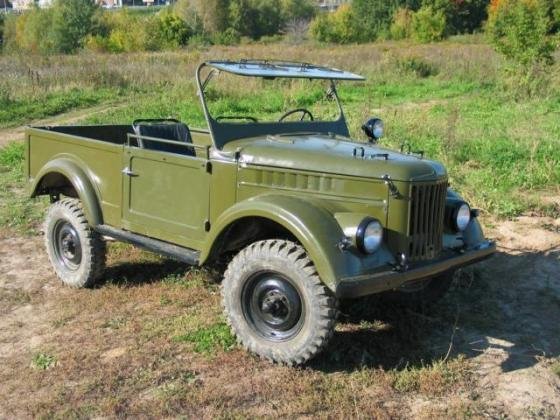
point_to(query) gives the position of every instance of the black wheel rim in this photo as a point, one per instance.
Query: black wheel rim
(67, 245)
(273, 306)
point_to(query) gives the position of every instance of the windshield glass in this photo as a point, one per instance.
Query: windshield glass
(233, 98)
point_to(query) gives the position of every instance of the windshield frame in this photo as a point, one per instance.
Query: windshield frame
(223, 132)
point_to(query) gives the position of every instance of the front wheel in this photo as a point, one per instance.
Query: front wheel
(76, 252)
(276, 304)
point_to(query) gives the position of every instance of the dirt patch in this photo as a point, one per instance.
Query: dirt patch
(515, 365)
(111, 351)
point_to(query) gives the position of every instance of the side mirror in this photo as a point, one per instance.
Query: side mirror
(374, 129)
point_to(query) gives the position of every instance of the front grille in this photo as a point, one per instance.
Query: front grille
(427, 208)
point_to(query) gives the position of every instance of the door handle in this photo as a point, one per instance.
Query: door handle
(128, 172)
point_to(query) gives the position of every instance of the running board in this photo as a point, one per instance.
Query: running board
(166, 249)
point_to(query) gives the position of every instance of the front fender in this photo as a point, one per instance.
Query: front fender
(79, 180)
(311, 223)
(473, 234)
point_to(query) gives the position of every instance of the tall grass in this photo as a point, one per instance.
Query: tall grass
(446, 99)
(17, 212)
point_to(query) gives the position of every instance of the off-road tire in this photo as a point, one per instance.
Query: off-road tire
(318, 309)
(428, 293)
(68, 214)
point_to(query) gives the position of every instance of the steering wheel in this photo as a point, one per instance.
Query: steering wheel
(303, 111)
(236, 117)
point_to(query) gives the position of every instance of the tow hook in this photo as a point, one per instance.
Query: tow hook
(402, 262)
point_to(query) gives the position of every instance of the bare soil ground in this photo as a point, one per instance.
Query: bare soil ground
(114, 350)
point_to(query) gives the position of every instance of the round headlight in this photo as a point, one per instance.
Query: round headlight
(369, 235)
(462, 216)
(374, 129)
(378, 129)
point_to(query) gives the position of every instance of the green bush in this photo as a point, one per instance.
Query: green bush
(556, 16)
(200, 41)
(552, 9)
(124, 31)
(416, 66)
(29, 32)
(428, 25)
(464, 16)
(71, 23)
(401, 28)
(336, 27)
(170, 30)
(2, 20)
(96, 43)
(187, 11)
(268, 14)
(298, 10)
(208, 16)
(229, 37)
(519, 30)
(372, 18)
(223, 21)
(61, 28)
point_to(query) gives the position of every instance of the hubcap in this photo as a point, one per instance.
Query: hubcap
(67, 246)
(272, 306)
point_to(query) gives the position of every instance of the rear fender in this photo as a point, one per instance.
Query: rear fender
(79, 180)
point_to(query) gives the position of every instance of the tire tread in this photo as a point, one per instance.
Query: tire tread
(325, 309)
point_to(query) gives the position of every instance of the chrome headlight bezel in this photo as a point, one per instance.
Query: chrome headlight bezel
(369, 235)
(378, 129)
(459, 215)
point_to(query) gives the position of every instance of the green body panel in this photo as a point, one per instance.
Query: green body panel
(318, 187)
(340, 192)
(86, 191)
(93, 163)
(223, 189)
(314, 225)
(334, 155)
(167, 197)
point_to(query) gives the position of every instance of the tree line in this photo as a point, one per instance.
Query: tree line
(71, 25)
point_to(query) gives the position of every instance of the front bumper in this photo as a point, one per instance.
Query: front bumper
(380, 281)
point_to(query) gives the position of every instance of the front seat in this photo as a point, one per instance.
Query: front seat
(165, 129)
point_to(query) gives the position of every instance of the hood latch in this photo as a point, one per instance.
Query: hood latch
(393, 190)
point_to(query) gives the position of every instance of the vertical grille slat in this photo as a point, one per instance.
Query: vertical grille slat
(432, 235)
(415, 217)
(426, 220)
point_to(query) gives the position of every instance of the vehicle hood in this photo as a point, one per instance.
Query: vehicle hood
(336, 155)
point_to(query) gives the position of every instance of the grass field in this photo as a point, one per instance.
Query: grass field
(152, 341)
(447, 99)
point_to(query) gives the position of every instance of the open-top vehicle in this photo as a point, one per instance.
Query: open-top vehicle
(302, 214)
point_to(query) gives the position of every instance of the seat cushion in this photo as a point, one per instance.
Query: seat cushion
(166, 131)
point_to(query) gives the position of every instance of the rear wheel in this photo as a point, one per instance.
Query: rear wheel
(76, 252)
(276, 304)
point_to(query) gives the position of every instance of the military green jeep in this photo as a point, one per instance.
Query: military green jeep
(302, 214)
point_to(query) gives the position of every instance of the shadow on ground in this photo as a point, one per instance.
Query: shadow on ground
(132, 274)
(509, 303)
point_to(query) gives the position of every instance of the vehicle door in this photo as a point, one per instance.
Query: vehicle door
(166, 195)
